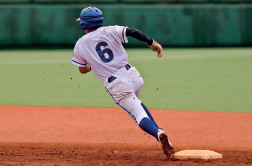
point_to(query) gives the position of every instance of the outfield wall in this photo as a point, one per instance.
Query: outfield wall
(171, 25)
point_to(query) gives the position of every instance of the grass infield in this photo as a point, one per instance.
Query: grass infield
(211, 79)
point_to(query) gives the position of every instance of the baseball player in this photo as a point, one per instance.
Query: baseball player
(101, 50)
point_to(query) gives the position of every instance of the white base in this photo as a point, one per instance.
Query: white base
(196, 154)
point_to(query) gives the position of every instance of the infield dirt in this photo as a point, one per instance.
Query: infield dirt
(107, 136)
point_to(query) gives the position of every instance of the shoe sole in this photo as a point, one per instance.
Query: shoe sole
(167, 148)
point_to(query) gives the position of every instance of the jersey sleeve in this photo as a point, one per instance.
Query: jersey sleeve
(121, 31)
(77, 58)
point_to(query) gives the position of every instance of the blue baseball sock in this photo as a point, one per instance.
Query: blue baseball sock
(148, 126)
(149, 115)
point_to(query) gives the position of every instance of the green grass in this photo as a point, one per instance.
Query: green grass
(212, 79)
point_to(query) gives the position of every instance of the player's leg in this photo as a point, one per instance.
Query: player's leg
(132, 106)
(138, 82)
(148, 124)
(122, 93)
(149, 115)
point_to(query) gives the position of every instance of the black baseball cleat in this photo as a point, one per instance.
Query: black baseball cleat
(166, 145)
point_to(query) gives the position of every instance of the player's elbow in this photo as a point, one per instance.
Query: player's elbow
(83, 70)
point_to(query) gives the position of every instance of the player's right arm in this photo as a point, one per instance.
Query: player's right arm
(79, 61)
(142, 37)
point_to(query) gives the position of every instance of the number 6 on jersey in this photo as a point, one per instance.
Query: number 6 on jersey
(101, 53)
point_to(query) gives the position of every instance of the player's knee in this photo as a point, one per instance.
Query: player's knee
(140, 116)
(132, 106)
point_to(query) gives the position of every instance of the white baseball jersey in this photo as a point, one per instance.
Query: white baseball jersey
(103, 50)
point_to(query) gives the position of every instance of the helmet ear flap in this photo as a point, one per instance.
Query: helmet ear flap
(83, 25)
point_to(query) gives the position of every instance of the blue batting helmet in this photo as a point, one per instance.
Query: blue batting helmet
(90, 17)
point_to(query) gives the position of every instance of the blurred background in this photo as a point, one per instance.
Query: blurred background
(207, 62)
(174, 23)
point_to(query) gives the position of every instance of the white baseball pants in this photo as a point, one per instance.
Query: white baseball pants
(125, 90)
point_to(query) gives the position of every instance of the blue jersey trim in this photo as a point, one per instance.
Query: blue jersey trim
(78, 62)
(123, 34)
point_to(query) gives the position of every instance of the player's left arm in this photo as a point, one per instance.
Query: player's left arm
(85, 69)
(142, 37)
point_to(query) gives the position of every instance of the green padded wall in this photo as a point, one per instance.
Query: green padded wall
(171, 25)
(123, 1)
(15, 1)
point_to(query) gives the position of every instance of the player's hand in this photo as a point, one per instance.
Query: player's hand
(157, 48)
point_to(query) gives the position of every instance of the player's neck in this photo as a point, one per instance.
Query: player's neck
(88, 30)
(91, 29)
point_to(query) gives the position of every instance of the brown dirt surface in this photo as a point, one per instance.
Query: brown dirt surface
(32, 135)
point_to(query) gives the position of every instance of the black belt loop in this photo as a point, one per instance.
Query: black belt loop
(110, 79)
(127, 66)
